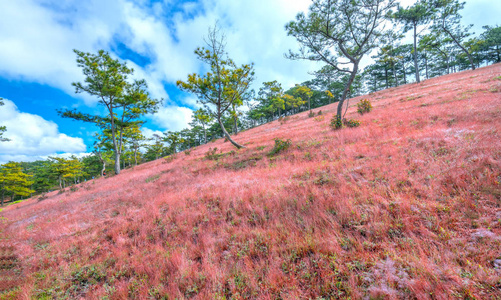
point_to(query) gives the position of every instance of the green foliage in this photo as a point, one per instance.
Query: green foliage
(311, 114)
(174, 139)
(280, 145)
(336, 122)
(411, 17)
(364, 106)
(211, 154)
(152, 178)
(448, 19)
(351, 123)
(225, 86)
(339, 29)
(14, 181)
(492, 43)
(125, 102)
(2, 128)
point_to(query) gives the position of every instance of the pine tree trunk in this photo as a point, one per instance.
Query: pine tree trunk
(117, 162)
(405, 73)
(339, 112)
(386, 76)
(235, 125)
(415, 54)
(205, 133)
(395, 74)
(225, 133)
(426, 65)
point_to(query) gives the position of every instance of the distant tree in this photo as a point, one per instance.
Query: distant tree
(270, 98)
(224, 86)
(156, 149)
(448, 19)
(329, 80)
(125, 102)
(92, 165)
(388, 53)
(292, 102)
(492, 45)
(14, 181)
(174, 139)
(411, 17)
(339, 29)
(136, 140)
(2, 128)
(303, 92)
(43, 179)
(439, 44)
(103, 149)
(203, 118)
(67, 168)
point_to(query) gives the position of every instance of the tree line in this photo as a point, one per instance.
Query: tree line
(338, 33)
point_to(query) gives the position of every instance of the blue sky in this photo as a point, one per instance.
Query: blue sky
(156, 38)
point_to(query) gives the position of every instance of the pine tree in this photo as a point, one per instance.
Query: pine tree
(14, 181)
(225, 86)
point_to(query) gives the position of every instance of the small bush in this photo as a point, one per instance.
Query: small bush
(311, 114)
(319, 113)
(42, 197)
(336, 122)
(169, 158)
(282, 120)
(211, 154)
(364, 106)
(152, 178)
(351, 123)
(319, 118)
(280, 145)
(187, 152)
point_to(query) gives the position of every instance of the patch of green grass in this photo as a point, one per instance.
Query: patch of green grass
(152, 178)
(280, 145)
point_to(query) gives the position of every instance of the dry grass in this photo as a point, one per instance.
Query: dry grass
(408, 205)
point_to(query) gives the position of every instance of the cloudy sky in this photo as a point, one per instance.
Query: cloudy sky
(156, 38)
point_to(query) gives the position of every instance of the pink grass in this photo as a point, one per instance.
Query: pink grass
(406, 205)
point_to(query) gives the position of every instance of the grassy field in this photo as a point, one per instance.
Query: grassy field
(405, 206)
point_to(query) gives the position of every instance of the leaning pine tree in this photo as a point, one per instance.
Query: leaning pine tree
(225, 86)
(125, 102)
(339, 33)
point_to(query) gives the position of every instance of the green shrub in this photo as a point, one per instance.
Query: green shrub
(280, 145)
(212, 155)
(364, 106)
(319, 113)
(282, 120)
(336, 122)
(351, 123)
(311, 114)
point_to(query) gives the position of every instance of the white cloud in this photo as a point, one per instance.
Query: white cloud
(32, 137)
(38, 37)
(149, 135)
(174, 118)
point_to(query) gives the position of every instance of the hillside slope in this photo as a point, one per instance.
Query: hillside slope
(408, 205)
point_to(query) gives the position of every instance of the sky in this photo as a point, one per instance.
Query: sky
(155, 37)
